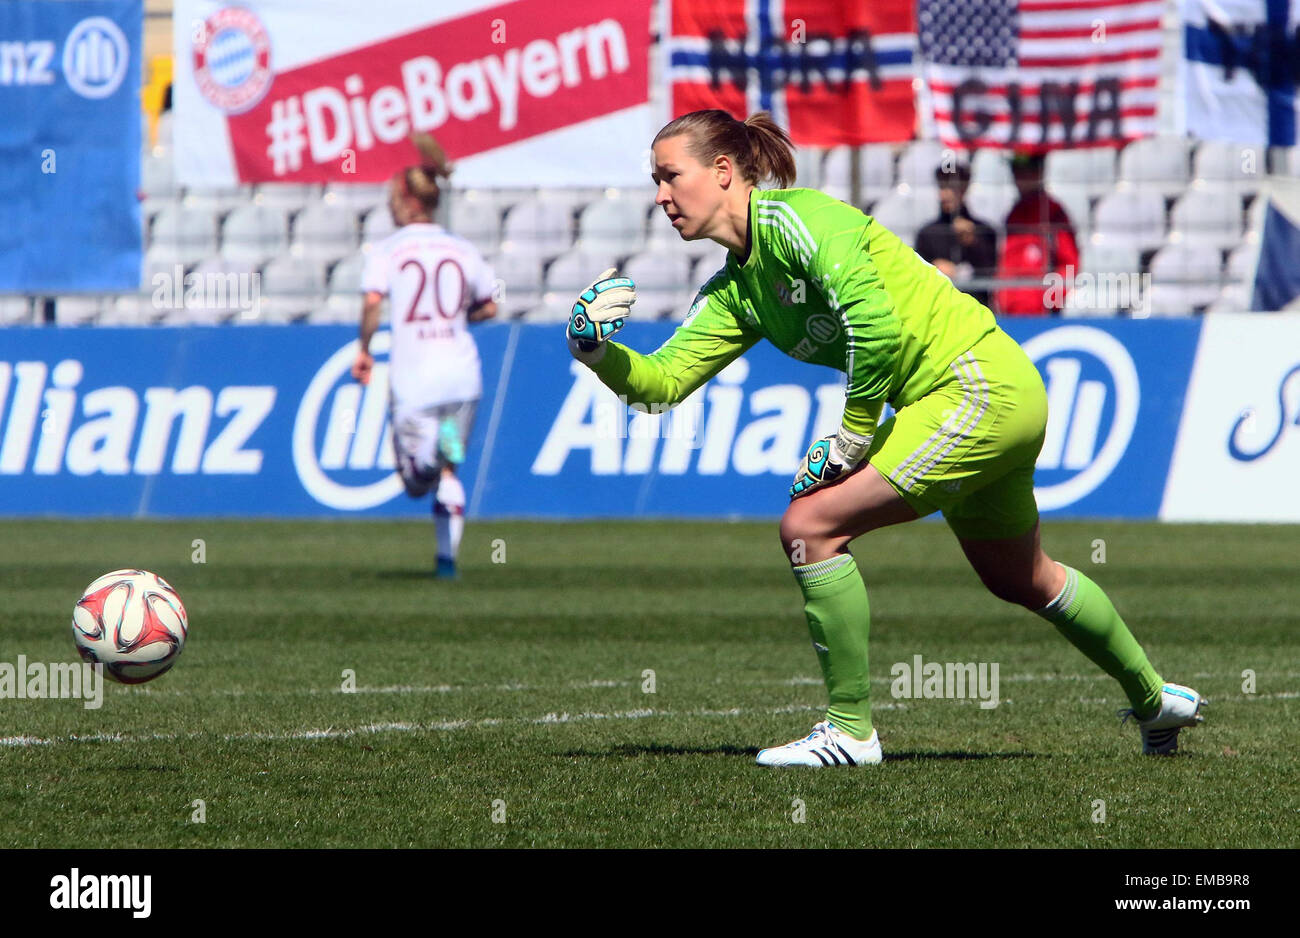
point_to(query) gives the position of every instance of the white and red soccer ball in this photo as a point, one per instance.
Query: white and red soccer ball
(132, 622)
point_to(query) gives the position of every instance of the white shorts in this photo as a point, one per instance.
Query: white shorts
(427, 439)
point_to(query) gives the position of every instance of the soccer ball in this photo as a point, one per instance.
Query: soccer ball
(132, 622)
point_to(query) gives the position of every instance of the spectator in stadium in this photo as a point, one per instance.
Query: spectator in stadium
(436, 284)
(962, 246)
(829, 285)
(1039, 240)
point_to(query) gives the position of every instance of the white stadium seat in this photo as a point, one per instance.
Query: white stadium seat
(520, 267)
(1172, 299)
(218, 200)
(1233, 298)
(1157, 164)
(990, 203)
(477, 220)
(1110, 259)
(1194, 267)
(345, 277)
(188, 234)
(157, 177)
(253, 234)
(287, 196)
(1224, 163)
(991, 168)
(77, 310)
(904, 211)
(875, 168)
(16, 310)
(1129, 216)
(1208, 216)
(1240, 267)
(377, 225)
(917, 164)
(614, 226)
(1093, 168)
(546, 224)
(359, 197)
(291, 288)
(572, 272)
(324, 232)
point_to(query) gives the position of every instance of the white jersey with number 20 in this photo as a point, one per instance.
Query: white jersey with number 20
(431, 278)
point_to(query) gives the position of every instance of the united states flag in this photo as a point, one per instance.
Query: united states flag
(1041, 74)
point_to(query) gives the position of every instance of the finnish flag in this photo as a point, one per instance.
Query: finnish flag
(1277, 277)
(1239, 70)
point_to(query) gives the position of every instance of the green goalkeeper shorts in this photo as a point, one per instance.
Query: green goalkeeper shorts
(968, 447)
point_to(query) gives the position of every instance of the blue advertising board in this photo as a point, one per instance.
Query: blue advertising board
(70, 145)
(267, 421)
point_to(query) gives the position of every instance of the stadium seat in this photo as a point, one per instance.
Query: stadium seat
(222, 291)
(1078, 205)
(286, 196)
(16, 311)
(1130, 216)
(1240, 267)
(1285, 161)
(157, 177)
(875, 167)
(808, 167)
(660, 270)
(546, 224)
(377, 225)
(990, 203)
(990, 167)
(1172, 299)
(188, 234)
(291, 289)
(573, 271)
(1193, 267)
(1221, 163)
(1093, 168)
(359, 197)
(77, 310)
(1093, 302)
(337, 309)
(345, 277)
(917, 164)
(1110, 259)
(129, 309)
(477, 220)
(520, 267)
(614, 226)
(218, 200)
(1233, 298)
(1210, 216)
(324, 232)
(253, 234)
(1156, 164)
(905, 211)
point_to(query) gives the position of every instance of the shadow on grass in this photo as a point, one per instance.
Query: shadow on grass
(628, 749)
(956, 756)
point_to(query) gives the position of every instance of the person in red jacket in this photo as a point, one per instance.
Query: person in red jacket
(1039, 240)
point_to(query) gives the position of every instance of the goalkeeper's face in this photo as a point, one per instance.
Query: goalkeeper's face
(690, 193)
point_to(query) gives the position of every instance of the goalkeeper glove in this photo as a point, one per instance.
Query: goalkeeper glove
(598, 313)
(829, 460)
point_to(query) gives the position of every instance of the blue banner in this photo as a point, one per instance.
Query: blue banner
(266, 421)
(70, 145)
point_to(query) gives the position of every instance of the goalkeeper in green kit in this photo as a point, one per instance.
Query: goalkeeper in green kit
(827, 284)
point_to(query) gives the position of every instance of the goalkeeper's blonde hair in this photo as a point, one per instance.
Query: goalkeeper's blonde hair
(758, 146)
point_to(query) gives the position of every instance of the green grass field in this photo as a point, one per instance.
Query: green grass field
(519, 690)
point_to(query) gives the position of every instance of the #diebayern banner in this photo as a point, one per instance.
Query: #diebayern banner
(831, 73)
(526, 93)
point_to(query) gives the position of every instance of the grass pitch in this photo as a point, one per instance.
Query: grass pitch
(511, 708)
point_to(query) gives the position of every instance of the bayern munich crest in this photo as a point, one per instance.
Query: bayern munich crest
(232, 59)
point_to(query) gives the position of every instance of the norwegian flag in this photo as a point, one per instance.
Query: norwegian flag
(831, 73)
(1037, 75)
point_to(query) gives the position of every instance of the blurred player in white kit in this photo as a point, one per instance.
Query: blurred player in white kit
(436, 284)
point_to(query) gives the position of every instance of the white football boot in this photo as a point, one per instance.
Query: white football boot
(1180, 707)
(826, 745)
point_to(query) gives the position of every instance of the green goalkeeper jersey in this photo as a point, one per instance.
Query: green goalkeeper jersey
(824, 283)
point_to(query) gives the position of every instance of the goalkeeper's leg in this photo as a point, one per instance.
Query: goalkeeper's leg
(815, 533)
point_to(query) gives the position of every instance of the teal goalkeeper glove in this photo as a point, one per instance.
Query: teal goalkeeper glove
(829, 460)
(599, 311)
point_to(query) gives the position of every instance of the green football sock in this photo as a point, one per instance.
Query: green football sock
(839, 618)
(1083, 613)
